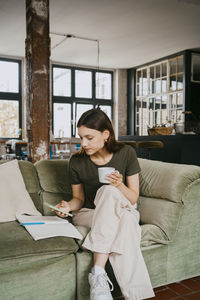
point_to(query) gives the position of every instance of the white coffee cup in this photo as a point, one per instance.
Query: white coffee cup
(103, 172)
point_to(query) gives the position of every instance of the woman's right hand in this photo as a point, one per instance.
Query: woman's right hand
(65, 207)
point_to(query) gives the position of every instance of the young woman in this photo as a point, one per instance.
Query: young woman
(108, 209)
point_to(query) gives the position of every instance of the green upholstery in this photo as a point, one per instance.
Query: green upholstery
(152, 235)
(51, 278)
(43, 269)
(156, 259)
(184, 253)
(172, 204)
(53, 175)
(162, 213)
(26, 246)
(57, 268)
(54, 181)
(161, 180)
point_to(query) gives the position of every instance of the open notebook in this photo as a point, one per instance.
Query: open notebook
(41, 227)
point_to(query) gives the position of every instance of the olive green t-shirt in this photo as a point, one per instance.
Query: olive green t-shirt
(82, 170)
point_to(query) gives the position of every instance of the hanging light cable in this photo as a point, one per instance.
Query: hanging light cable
(69, 36)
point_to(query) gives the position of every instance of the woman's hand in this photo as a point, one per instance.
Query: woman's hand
(65, 207)
(115, 178)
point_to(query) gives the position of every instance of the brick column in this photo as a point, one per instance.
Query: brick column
(37, 79)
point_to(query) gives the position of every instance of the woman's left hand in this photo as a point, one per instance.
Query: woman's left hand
(115, 178)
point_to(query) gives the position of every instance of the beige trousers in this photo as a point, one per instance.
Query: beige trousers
(115, 230)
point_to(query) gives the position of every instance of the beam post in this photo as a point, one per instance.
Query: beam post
(37, 79)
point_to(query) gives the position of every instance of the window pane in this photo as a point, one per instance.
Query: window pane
(62, 120)
(164, 110)
(103, 85)
(152, 72)
(107, 110)
(140, 89)
(80, 109)
(180, 100)
(180, 64)
(61, 82)
(172, 66)
(158, 86)
(145, 112)
(158, 111)
(145, 83)
(144, 73)
(9, 119)
(83, 84)
(151, 103)
(138, 105)
(164, 69)
(172, 102)
(157, 71)
(138, 76)
(179, 82)
(164, 85)
(172, 83)
(9, 77)
(152, 86)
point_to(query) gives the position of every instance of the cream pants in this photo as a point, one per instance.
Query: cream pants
(115, 230)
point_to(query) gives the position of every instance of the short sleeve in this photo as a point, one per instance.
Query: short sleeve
(133, 166)
(73, 171)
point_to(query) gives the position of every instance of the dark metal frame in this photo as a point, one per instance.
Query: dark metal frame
(14, 96)
(131, 104)
(75, 100)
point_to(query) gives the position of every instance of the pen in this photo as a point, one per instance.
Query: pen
(36, 223)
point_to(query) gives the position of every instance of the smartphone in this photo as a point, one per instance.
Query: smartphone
(59, 209)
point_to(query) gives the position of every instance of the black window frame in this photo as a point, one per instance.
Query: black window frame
(10, 96)
(78, 100)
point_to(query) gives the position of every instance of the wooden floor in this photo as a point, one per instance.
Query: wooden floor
(187, 289)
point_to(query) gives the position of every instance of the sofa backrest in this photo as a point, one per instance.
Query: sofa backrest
(166, 180)
(54, 181)
(162, 189)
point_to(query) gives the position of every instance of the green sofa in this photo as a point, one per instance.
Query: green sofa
(57, 268)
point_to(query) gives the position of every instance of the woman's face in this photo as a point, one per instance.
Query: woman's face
(92, 140)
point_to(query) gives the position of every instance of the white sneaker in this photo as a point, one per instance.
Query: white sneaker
(99, 287)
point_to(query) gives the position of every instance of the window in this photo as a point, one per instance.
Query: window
(76, 90)
(10, 98)
(159, 94)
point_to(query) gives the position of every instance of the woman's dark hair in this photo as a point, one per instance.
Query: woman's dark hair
(96, 119)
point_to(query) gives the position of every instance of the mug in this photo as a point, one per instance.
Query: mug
(103, 172)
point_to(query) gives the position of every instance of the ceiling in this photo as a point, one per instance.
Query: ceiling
(130, 32)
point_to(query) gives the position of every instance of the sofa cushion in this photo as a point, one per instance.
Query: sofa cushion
(54, 180)
(162, 213)
(14, 196)
(53, 176)
(163, 180)
(15, 242)
(31, 181)
(152, 235)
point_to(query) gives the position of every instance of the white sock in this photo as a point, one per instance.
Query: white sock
(97, 270)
